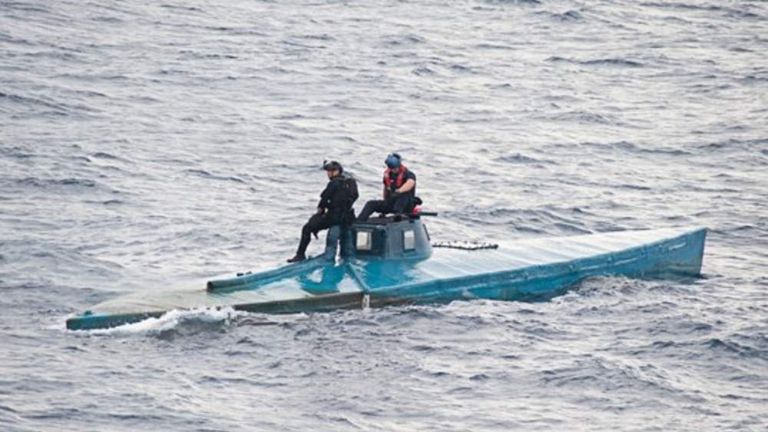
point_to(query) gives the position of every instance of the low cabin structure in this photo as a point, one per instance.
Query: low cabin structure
(388, 237)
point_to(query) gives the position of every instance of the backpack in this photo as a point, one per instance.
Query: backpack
(350, 189)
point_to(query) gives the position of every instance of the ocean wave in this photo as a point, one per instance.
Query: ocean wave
(741, 346)
(24, 103)
(177, 7)
(27, 7)
(205, 174)
(512, 2)
(584, 116)
(571, 15)
(619, 62)
(104, 155)
(16, 152)
(725, 10)
(549, 220)
(404, 40)
(630, 147)
(71, 182)
(735, 145)
(423, 71)
(519, 158)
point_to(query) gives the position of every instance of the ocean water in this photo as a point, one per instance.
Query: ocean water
(145, 144)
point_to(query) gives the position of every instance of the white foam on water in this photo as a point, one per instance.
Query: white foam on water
(170, 320)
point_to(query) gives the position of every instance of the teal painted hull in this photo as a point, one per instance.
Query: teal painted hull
(521, 271)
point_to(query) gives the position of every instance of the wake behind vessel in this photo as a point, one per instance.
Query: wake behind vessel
(392, 261)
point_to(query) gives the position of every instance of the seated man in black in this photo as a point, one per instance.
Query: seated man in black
(335, 207)
(399, 190)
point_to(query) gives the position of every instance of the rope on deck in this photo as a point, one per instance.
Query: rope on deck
(465, 245)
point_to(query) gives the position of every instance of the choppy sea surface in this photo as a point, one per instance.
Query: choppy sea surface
(145, 144)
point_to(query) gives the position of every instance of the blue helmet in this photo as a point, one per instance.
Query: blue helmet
(393, 161)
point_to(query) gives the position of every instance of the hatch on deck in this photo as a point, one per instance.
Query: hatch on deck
(390, 238)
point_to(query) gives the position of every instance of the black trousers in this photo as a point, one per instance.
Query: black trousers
(316, 223)
(395, 204)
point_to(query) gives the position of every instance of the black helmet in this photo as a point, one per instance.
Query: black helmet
(393, 161)
(332, 166)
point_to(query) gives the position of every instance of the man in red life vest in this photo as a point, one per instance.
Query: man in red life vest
(399, 190)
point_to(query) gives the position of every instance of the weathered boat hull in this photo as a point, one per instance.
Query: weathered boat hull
(523, 271)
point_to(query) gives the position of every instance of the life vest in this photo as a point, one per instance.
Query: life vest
(399, 181)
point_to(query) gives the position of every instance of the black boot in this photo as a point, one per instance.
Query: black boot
(297, 258)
